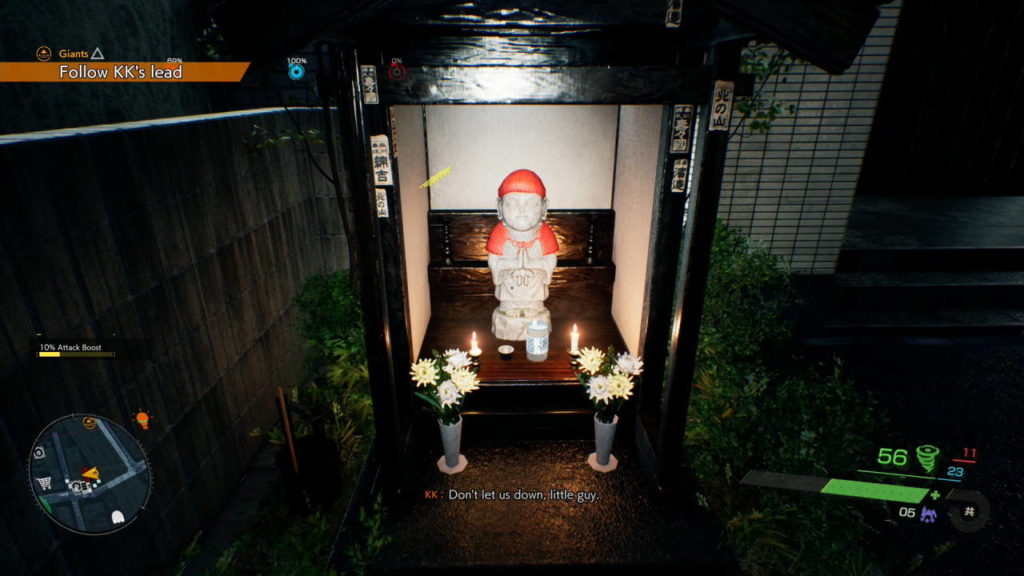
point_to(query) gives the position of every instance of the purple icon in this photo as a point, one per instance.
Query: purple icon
(928, 515)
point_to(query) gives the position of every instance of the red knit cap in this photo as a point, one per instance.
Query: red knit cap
(524, 181)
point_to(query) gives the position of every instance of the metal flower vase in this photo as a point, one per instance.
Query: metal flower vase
(451, 439)
(602, 458)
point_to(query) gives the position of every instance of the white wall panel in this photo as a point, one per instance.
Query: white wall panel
(635, 187)
(572, 149)
(412, 172)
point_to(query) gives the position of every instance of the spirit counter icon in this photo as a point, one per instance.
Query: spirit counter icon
(926, 456)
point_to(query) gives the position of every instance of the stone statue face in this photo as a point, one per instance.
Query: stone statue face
(522, 211)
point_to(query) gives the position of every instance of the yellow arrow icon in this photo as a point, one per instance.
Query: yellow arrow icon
(92, 473)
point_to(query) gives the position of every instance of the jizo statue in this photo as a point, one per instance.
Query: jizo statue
(521, 254)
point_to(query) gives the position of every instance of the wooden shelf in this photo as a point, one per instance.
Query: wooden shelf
(443, 334)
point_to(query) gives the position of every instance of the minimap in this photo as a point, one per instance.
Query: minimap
(89, 474)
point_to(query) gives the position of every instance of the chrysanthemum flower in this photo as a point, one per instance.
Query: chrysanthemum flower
(456, 358)
(447, 393)
(620, 385)
(590, 360)
(464, 380)
(424, 373)
(629, 364)
(598, 389)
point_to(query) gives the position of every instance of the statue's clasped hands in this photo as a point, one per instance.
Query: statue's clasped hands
(522, 277)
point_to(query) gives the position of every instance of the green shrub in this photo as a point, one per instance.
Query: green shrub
(330, 316)
(335, 401)
(372, 539)
(758, 404)
(337, 398)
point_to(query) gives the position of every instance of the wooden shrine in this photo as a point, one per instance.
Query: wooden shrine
(683, 55)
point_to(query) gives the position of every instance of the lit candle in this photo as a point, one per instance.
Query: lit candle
(474, 349)
(574, 341)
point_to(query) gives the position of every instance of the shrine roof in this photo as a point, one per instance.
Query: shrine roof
(827, 33)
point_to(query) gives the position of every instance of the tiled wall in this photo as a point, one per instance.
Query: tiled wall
(792, 188)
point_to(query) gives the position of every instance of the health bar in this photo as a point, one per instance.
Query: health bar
(836, 487)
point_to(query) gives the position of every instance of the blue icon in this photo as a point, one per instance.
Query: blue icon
(296, 71)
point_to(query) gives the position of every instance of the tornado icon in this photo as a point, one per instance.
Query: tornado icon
(926, 456)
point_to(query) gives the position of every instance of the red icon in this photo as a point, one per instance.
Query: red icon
(396, 71)
(143, 419)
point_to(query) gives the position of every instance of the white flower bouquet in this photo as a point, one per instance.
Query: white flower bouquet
(607, 378)
(443, 382)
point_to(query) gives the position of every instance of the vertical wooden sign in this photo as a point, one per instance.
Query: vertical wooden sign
(368, 77)
(680, 175)
(394, 131)
(721, 106)
(380, 153)
(682, 129)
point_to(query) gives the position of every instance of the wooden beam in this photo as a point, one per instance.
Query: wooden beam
(663, 266)
(547, 85)
(527, 15)
(616, 47)
(370, 275)
(392, 253)
(692, 284)
(577, 232)
(468, 291)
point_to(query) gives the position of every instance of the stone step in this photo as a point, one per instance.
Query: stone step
(511, 425)
(931, 279)
(527, 396)
(930, 259)
(914, 295)
(936, 322)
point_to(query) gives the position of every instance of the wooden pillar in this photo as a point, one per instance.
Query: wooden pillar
(691, 282)
(664, 263)
(368, 242)
(380, 124)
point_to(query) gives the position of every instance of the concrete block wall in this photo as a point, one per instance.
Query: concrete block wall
(792, 189)
(177, 232)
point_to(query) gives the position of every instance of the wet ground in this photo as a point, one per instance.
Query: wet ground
(962, 395)
(510, 512)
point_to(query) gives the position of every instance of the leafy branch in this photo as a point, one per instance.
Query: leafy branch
(764, 61)
(259, 137)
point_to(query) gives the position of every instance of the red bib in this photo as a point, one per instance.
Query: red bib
(500, 235)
